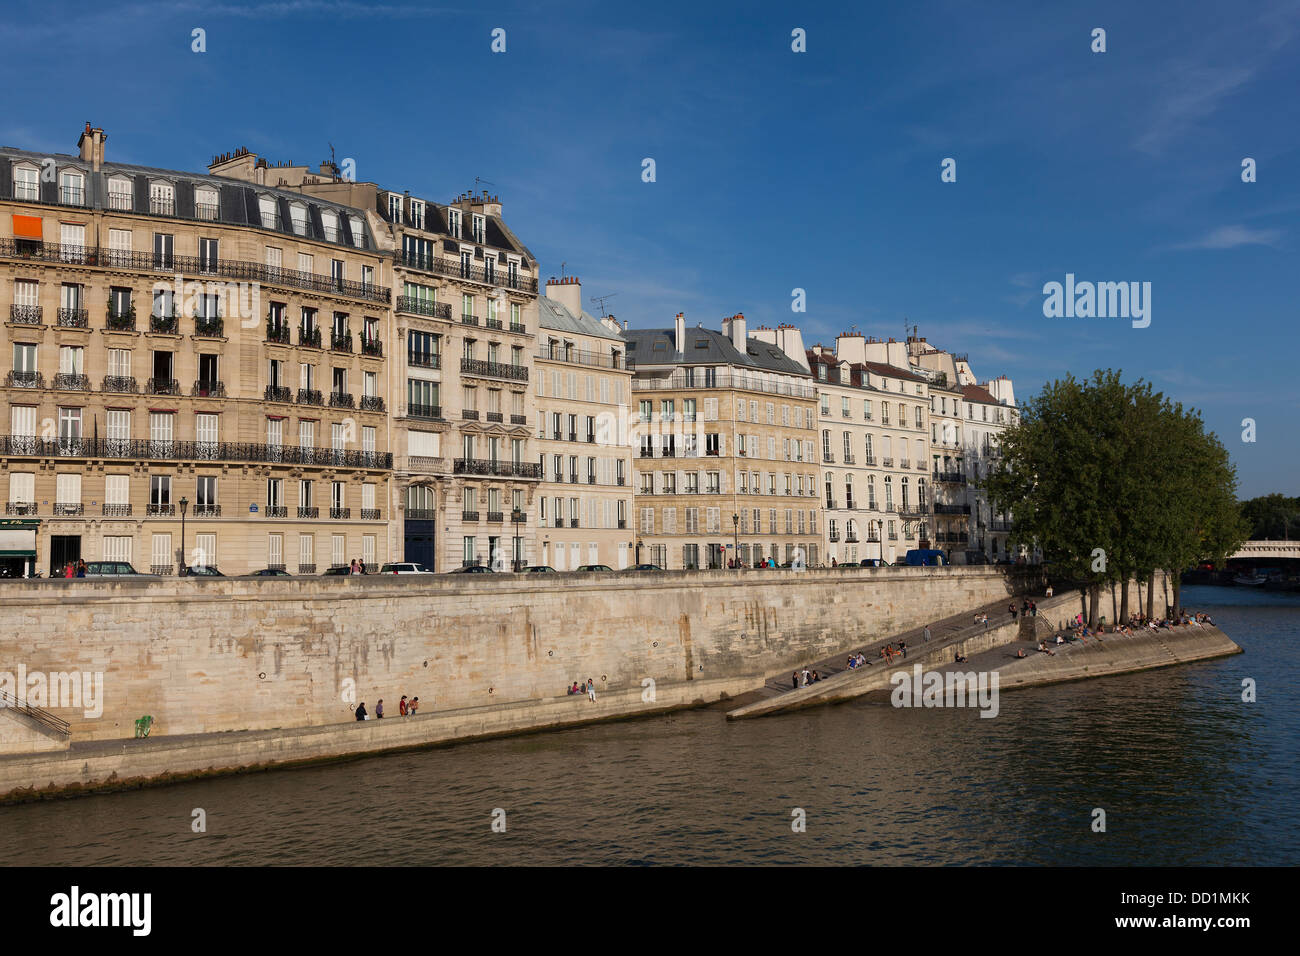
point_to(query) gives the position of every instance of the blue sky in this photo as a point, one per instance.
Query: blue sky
(778, 170)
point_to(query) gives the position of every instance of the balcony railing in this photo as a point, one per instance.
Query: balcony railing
(206, 511)
(492, 323)
(945, 509)
(162, 570)
(517, 373)
(469, 414)
(143, 449)
(369, 514)
(469, 516)
(342, 400)
(506, 469)
(435, 310)
(309, 338)
(341, 514)
(68, 509)
(467, 319)
(25, 315)
(120, 321)
(117, 511)
(165, 324)
(310, 396)
(71, 382)
(518, 419)
(372, 347)
(423, 360)
(73, 318)
(206, 211)
(163, 386)
(955, 477)
(309, 511)
(440, 265)
(20, 508)
(372, 403)
(213, 328)
(496, 517)
(275, 511)
(24, 380)
(119, 383)
(119, 200)
(340, 343)
(156, 510)
(495, 417)
(518, 517)
(162, 207)
(277, 393)
(743, 382)
(431, 412)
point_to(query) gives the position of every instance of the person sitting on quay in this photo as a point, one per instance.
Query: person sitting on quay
(862, 660)
(1042, 646)
(794, 680)
(1020, 652)
(958, 657)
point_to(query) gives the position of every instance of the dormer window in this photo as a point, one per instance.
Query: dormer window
(298, 214)
(479, 228)
(162, 199)
(394, 208)
(330, 224)
(205, 203)
(27, 183)
(453, 223)
(72, 188)
(269, 211)
(417, 213)
(358, 232)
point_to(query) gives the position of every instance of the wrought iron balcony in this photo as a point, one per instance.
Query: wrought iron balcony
(308, 512)
(162, 386)
(431, 412)
(369, 514)
(342, 400)
(165, 324)
(946, 509)
(278, 334)
(518, 419)
(434, 310)
(143, 449)
(162, 207)
(518, 327)
(208, 389)
(162, 570)
(68, 508)
(887, 462)
(120, 200)
(492, 323)
(208, 212)
(17, 379)
(275, 511)
(206, 511)
(25, 314)
(518, 517)
(954, 477)
(120, 321)
(306, 568)
(277, 393)
(119, 383)
(469, 516)
(155, 510)
(423, 360)
(340, 513)
(496, 517)
(340, 343)
(20, 508)
(214, 328)
(310, 396)
(372, 347)
(73, 318)
(851, 538)
(506, 469)
(309, 338)
(467, 319)
(470, 414)
(869, 461)
(372, 403)
(71, 382)
(117, 511)
(495, 417)
(834, 535)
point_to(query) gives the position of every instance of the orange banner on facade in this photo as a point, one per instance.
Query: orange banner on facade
(27, 227)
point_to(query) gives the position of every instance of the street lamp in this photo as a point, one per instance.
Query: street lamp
(638, 550)
(185, 503)
(735, 539)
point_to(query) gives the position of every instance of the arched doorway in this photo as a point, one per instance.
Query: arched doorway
(419, 529)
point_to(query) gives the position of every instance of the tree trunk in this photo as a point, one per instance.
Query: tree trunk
(1178, 598)
(1094, 598)
(1151, 596)
(1123, 601)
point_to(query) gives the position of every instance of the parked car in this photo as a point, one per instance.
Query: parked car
(341, 569)
(472, 569)
(405, 567)
(594, 567)
(873, 563)
(270, 573)
(540, 569)
(201, 571)
(647, 567)
(113, 569)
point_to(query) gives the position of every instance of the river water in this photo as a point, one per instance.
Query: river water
(1186, 772)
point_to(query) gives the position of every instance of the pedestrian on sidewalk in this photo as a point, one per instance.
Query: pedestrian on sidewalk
(794, 680)
(591, 689)
(1049, 590)
(925, 634)
(902, 649)
(412, 707)
(361, 711)
(1012, 609)
(401, 707)
(379, 708)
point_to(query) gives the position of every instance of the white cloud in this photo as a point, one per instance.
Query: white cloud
(1229, 237)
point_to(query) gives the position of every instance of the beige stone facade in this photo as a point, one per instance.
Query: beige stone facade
(582, 386)
(724, 429)
(173, 361)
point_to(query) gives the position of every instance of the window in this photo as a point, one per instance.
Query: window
(162, 199)
(269, 212)
(298, 215)
(27, 184)
(72, 188)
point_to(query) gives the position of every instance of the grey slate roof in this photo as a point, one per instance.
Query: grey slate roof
(648, 347)
(239, 204)
(555, 316)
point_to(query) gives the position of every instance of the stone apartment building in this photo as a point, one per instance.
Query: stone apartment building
(724, 427)
(582, 385)
(198, 370)
(465, 318)
(872, 421)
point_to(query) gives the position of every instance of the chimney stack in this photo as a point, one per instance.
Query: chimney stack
(566, 291)
(679, 329)
(91, 146)
(734, 329)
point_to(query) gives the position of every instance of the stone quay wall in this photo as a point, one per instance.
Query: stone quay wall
(211, 655)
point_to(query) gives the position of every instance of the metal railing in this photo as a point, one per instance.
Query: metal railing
(507, 469)
(206, 389)
(434, 310)
(73, 318)
(143, 449)
(680, 381)
(25, 315)
(431, 412)
(453, 268)
(119, 383)
(43, 717)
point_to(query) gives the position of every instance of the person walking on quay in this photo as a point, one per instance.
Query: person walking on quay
(1033, 609)
(412, 707)
(361, 711)
(591, 689)
(1012, 609)
(1049, 590)
(902, 649)
(81, 568)
(794, 680)
(925, 634)
(401, 707)
(379, 708)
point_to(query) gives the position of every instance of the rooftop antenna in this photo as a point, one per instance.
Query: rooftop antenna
(600, 301)
(482, 182)
(332, 163)
(562, 265)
